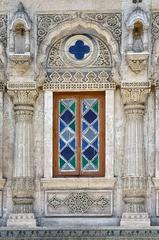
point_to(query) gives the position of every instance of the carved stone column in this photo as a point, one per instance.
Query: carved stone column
(134, 169)
(23, 182)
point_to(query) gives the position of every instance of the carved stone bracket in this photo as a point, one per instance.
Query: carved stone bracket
(137, 61)
(20, 62)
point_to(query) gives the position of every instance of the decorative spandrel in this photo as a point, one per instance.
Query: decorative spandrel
(67, 135)
(90, 135)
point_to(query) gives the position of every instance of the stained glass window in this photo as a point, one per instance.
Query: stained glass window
(79, 134)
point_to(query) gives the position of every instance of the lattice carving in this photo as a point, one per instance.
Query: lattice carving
(3, 29)
(155, 27)
(79, 202)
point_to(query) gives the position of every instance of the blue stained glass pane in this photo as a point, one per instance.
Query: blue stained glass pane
(62, 144)
(90, 153)
(95, 143)
(84, 126)
(62, 126)
(95, 125)
(72, 144)
(84, 144)
(67, 153)
(67, 135)
(67, 117)
(90, 116)
(79, 49)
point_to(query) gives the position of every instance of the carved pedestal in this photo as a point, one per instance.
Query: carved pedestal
(23, 181)
(134, 180)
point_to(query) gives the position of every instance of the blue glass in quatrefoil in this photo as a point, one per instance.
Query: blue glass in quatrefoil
(79, 49)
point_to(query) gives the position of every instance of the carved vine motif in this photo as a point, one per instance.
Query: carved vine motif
(155, 27)
(80, 202)
(110, 21)
(3, 29)
(46, 22)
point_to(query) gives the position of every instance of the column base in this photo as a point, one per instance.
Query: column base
(21, 220)
(135, 220)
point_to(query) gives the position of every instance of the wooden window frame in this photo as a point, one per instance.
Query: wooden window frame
(79, 96)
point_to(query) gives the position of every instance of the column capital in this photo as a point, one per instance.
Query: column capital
(23, 97)
(134, 94)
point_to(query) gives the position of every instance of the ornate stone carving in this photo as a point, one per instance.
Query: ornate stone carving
(57, 56)
(82, 233)
(110, 21)
(78, 203)
(23, 187)
(135, 95)
(3, 29)
(46, 22)
(23, 97)
(20, 62)
(137, 62)
(155, 27)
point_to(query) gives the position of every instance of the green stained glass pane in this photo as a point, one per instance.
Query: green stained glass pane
(95, 162)
(95, 107)
(62, 163)
(73, 107)
(73, 162)
(84, 162)
(72, 126)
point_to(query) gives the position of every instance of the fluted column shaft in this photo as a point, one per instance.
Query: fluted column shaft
(134, 173)
(23, 164)
(134, 141)
(23, 183)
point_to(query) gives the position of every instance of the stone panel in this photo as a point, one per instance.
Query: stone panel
(77, 203)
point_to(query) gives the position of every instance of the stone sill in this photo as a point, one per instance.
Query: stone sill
(77, 183)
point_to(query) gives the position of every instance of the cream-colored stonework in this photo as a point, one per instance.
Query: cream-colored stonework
(123, 63)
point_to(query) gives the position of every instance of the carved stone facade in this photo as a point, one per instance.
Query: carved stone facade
(70, 51)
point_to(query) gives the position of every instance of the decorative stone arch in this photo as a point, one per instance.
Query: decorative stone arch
(70, 27)
(141, 17)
